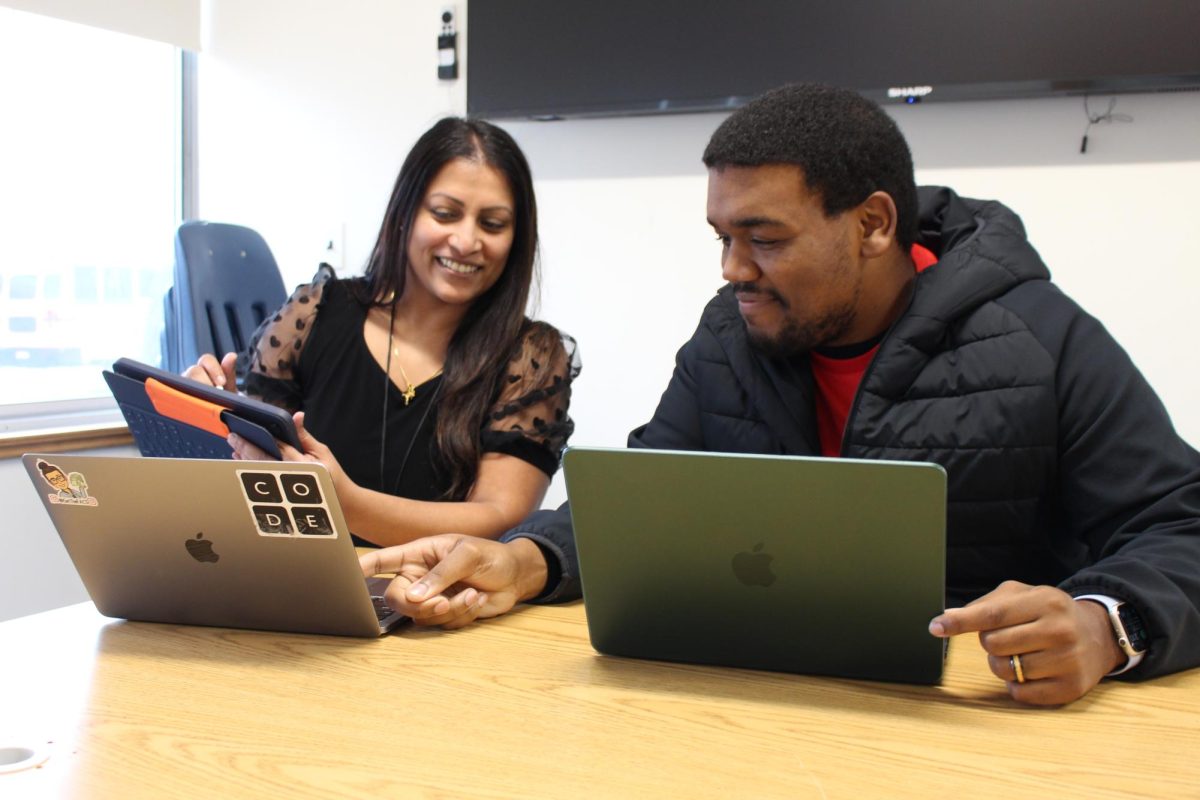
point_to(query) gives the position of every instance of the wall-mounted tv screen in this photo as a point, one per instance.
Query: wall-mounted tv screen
(568, 58)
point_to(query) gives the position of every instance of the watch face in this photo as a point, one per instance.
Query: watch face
(1134, 629)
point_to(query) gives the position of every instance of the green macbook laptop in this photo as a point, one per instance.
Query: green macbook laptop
(806, 565)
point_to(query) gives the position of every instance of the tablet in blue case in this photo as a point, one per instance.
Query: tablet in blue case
(176, 417)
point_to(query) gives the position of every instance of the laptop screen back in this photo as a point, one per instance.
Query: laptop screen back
(809, 565)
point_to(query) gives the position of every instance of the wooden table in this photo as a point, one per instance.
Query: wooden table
(523, 707)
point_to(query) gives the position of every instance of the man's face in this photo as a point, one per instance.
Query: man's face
(795, 271)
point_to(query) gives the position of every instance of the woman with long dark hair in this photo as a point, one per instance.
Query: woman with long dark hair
(436, 404)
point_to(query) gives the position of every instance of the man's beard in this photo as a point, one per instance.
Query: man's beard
(797, 337)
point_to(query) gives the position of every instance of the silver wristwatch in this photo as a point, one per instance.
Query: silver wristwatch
(1127, 627)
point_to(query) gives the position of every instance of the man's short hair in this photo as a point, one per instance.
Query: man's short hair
(846, 145)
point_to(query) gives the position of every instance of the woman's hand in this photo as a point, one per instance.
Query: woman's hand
(215, 373)
(313, 451)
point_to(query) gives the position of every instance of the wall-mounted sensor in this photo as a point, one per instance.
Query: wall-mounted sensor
(448, 45)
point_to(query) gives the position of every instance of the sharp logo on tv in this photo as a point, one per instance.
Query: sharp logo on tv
(909, 91)
(753, 567)
(201, 549)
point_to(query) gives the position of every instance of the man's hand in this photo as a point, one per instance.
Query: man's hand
(452, 580)
(1066, 646)
(215, 373)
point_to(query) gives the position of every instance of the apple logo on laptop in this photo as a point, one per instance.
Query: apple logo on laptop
(201, 549)
(753, 567)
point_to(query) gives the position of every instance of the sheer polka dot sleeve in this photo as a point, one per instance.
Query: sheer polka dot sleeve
(529, 419)
(274, 353)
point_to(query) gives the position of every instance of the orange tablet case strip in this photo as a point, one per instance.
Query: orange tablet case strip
(185, 408)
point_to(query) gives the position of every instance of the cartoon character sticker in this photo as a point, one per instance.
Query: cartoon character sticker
(71, 489)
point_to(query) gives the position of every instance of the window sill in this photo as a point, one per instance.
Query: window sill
(65, 439)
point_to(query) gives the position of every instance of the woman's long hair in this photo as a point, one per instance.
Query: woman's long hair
(490, 331)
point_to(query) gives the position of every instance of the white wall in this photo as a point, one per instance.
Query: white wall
(308, 108)
(630, 261)
(176, 22)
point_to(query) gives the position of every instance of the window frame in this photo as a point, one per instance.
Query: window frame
(90, 422)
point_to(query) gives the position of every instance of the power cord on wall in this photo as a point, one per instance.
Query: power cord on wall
(1109, 115)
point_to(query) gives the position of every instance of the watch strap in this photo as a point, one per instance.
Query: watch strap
(1124, 641)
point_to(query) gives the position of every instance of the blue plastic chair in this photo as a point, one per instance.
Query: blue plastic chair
(226, 283)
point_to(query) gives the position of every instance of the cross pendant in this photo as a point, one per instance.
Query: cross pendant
(409, 394)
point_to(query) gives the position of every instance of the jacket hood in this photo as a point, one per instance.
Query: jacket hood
(982, 253)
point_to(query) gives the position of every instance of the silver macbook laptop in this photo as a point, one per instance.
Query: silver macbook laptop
(807, 565)
(237, 544)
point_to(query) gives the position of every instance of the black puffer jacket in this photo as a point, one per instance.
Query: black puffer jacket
(1062, 463)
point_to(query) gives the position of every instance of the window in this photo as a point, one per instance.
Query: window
(22, 287)
(118, 285)
(89, 201)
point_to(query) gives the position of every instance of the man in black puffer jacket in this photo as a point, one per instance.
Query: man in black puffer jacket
(865, 319)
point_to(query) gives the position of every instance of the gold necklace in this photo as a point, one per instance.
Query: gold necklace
(410, 389)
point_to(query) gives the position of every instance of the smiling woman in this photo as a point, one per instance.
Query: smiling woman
(435, 403)
(461, 235)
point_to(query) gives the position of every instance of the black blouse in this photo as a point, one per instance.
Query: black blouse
(311, 356)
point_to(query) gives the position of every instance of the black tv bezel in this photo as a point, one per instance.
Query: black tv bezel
(583, 107)
(1011, 90)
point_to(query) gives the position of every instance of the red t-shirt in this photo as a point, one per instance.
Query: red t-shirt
(837, 379)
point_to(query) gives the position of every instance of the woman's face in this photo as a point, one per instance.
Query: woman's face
(461, 234)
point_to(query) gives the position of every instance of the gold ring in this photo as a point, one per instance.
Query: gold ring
(1014, 661)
